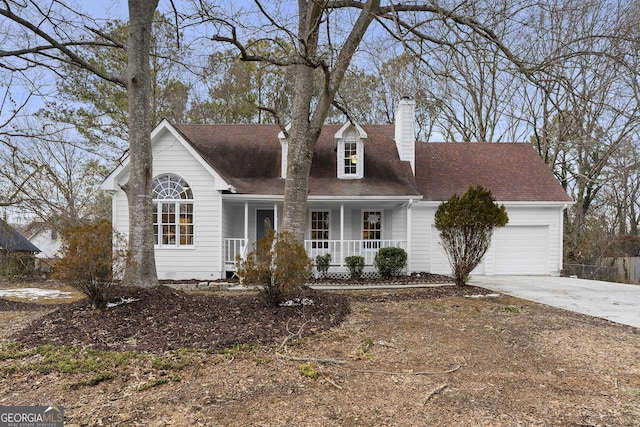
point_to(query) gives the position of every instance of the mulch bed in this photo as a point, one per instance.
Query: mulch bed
(162, 318)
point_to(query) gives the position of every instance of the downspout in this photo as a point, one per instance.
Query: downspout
(341, 234)
(560, 243)
(275, 217)
(246, 229)
(409, 225)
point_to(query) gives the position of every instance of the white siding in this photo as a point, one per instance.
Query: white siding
(204, 260)
(419, 251)
(531, 243)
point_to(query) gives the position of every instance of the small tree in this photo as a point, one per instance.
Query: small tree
(390, 261)
(90, 261)
(277, 265)
(466, 224)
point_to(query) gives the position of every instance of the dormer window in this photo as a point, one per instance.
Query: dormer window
(350, 151)
(350, 158)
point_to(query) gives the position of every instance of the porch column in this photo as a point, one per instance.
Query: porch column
(246, 223)
(409, 234)
(341, 234)
(275, 216)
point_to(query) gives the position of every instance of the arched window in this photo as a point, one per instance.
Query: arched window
(173, 211)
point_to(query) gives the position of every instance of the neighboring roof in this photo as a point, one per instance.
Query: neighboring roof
(11, 240)
(248, 157)
(512, 171)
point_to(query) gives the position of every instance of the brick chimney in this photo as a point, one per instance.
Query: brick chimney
(405, 133)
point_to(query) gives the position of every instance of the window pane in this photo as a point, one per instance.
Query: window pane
(372, 225)
(320, 224)
(350, 157)
(186, 224)
(172, 218)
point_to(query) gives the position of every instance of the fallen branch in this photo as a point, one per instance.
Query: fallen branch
(435, 391)
(310, 359)
(330, 381)
(367, 371)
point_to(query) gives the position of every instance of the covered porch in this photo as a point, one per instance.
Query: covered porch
(340, 228)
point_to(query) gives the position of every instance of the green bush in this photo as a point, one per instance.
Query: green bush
(466, 224)
(90, 261)
(390, 261)
(355, 264)
(323, 262)
(277, 265)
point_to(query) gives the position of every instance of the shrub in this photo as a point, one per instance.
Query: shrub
(355, 264)
(390, 261)
(323, 262)
(89, 260)
(466, 224)
(277, 265)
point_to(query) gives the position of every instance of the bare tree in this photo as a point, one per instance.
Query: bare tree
(51, 34)
(588, 103)
(54, 181)
(327, 35)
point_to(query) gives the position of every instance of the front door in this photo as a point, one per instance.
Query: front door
(261, 216)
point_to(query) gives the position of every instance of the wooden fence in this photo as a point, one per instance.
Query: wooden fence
(626, 269)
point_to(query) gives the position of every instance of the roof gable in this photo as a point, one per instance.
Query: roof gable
(110, 182)
(512, 171)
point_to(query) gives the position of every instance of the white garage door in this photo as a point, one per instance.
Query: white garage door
(522, 250)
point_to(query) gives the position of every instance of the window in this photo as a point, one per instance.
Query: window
(372, 228)
(173, 211)
(350, 158)
(320, 229)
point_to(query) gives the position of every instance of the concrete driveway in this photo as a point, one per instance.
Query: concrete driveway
(613, 301)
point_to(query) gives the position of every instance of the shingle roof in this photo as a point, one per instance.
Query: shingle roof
(11, 240)
(248, 157)
(512, 171)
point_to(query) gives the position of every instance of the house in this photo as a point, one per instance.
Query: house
(371, 187)
(46, 238)
(17, 253)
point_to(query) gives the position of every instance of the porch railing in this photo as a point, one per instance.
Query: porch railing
(234, 248)
(340, 249)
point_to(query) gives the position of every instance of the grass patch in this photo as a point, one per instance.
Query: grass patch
(364, 351)
(309, 370)
(508, 309)
(94, 365)
(94, 380)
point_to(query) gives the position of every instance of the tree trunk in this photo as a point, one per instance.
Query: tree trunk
(141, 265)
(305, 123)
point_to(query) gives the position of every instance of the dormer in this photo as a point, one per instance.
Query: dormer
(349, 145)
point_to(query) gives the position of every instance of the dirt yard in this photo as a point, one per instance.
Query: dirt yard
(437, 356)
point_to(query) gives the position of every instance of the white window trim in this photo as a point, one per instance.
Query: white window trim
(177, 245)
(381, 223)
(177, 202)
(328, 212)
(359, 159)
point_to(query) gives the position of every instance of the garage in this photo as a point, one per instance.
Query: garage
(521, 250)
(515, 250)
